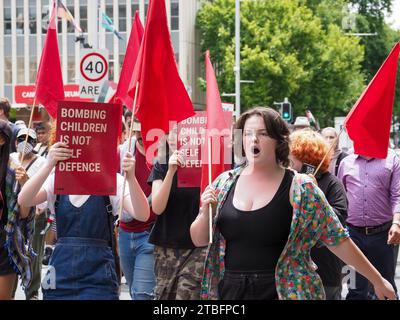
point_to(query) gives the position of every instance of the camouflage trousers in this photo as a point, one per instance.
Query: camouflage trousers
(178, 273)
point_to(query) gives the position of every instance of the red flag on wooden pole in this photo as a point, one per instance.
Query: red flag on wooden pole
(132, 50)
(162, 95)
(49, 83)
(368, 122)
(216, 126)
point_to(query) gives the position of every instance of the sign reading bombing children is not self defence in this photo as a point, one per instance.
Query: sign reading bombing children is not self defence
(91, 131)
(191, 135)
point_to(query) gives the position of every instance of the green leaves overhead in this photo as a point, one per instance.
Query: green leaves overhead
(289, 51)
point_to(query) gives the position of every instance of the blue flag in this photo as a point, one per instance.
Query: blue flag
(107, 24)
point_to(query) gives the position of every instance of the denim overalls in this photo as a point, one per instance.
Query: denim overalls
(82, 265)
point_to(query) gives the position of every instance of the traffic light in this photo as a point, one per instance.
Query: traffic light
(287, 111)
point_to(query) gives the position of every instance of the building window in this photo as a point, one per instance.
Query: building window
(111, 67)
(134, 8)
(7, 20)
(20, 20)
(83, 17)
(122, 18)
(121, 61)
(20, 70)
(32, 69)
(109, 11)
(32, 20)
(174, 16)
(71, 69)
(7, 70)
(45, 18)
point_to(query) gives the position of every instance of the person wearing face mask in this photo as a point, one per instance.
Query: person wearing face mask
(22, 165)
(31, 161)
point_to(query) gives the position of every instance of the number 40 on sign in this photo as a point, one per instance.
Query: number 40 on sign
(93, 72)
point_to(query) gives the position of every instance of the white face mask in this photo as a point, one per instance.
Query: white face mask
(28, 148)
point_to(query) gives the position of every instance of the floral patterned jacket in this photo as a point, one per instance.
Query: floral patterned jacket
(313, 223)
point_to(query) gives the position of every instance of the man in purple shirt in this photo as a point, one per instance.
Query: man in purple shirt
(373, 193)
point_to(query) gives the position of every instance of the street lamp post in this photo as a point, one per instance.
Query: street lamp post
(237, 57)
(93, 20)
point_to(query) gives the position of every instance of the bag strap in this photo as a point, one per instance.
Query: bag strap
(110, 217)
(31, 163)
(113, 240)
(56, 203)
(341, 156)
(26, 170)
(16, 186)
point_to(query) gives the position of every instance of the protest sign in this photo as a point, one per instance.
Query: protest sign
(191, 140)
(91, 131)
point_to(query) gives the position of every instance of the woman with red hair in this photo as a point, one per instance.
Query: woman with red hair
(307, 150)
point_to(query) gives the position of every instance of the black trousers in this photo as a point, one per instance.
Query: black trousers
(237, 285)
(382, 256)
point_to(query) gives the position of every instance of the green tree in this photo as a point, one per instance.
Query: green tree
(373, 10)
(288, 51)
(368, 18)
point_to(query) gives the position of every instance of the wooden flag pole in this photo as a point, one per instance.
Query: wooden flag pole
(328, 152)
(26, 139)
(210, 213)
(129, 149)
(29, 126)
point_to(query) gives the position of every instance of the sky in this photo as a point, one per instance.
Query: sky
(394, 18)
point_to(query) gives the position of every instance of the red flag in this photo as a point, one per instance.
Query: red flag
(368, 122)
(215, 122)
(128, 66)
(49, 83)
(162, 97)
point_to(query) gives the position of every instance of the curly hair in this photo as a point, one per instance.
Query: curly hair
(276, 128)
(310, 147)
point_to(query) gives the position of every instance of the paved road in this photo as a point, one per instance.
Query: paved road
(125, 292)
(19, 295)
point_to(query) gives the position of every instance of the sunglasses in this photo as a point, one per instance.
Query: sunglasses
(22, 139)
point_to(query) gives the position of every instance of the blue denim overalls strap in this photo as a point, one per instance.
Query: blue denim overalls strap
(82, 265)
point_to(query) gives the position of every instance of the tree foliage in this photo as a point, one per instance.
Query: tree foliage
(290, 48)
(371, 20)
(368, 19)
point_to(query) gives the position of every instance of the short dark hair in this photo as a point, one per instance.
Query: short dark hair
(276, 128)
(40, 127)
(128, 113)
(5, 106)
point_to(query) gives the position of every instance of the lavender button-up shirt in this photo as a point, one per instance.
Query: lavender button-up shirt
(373, 188)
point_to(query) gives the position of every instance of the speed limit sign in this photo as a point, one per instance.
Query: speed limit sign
(94, 71)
